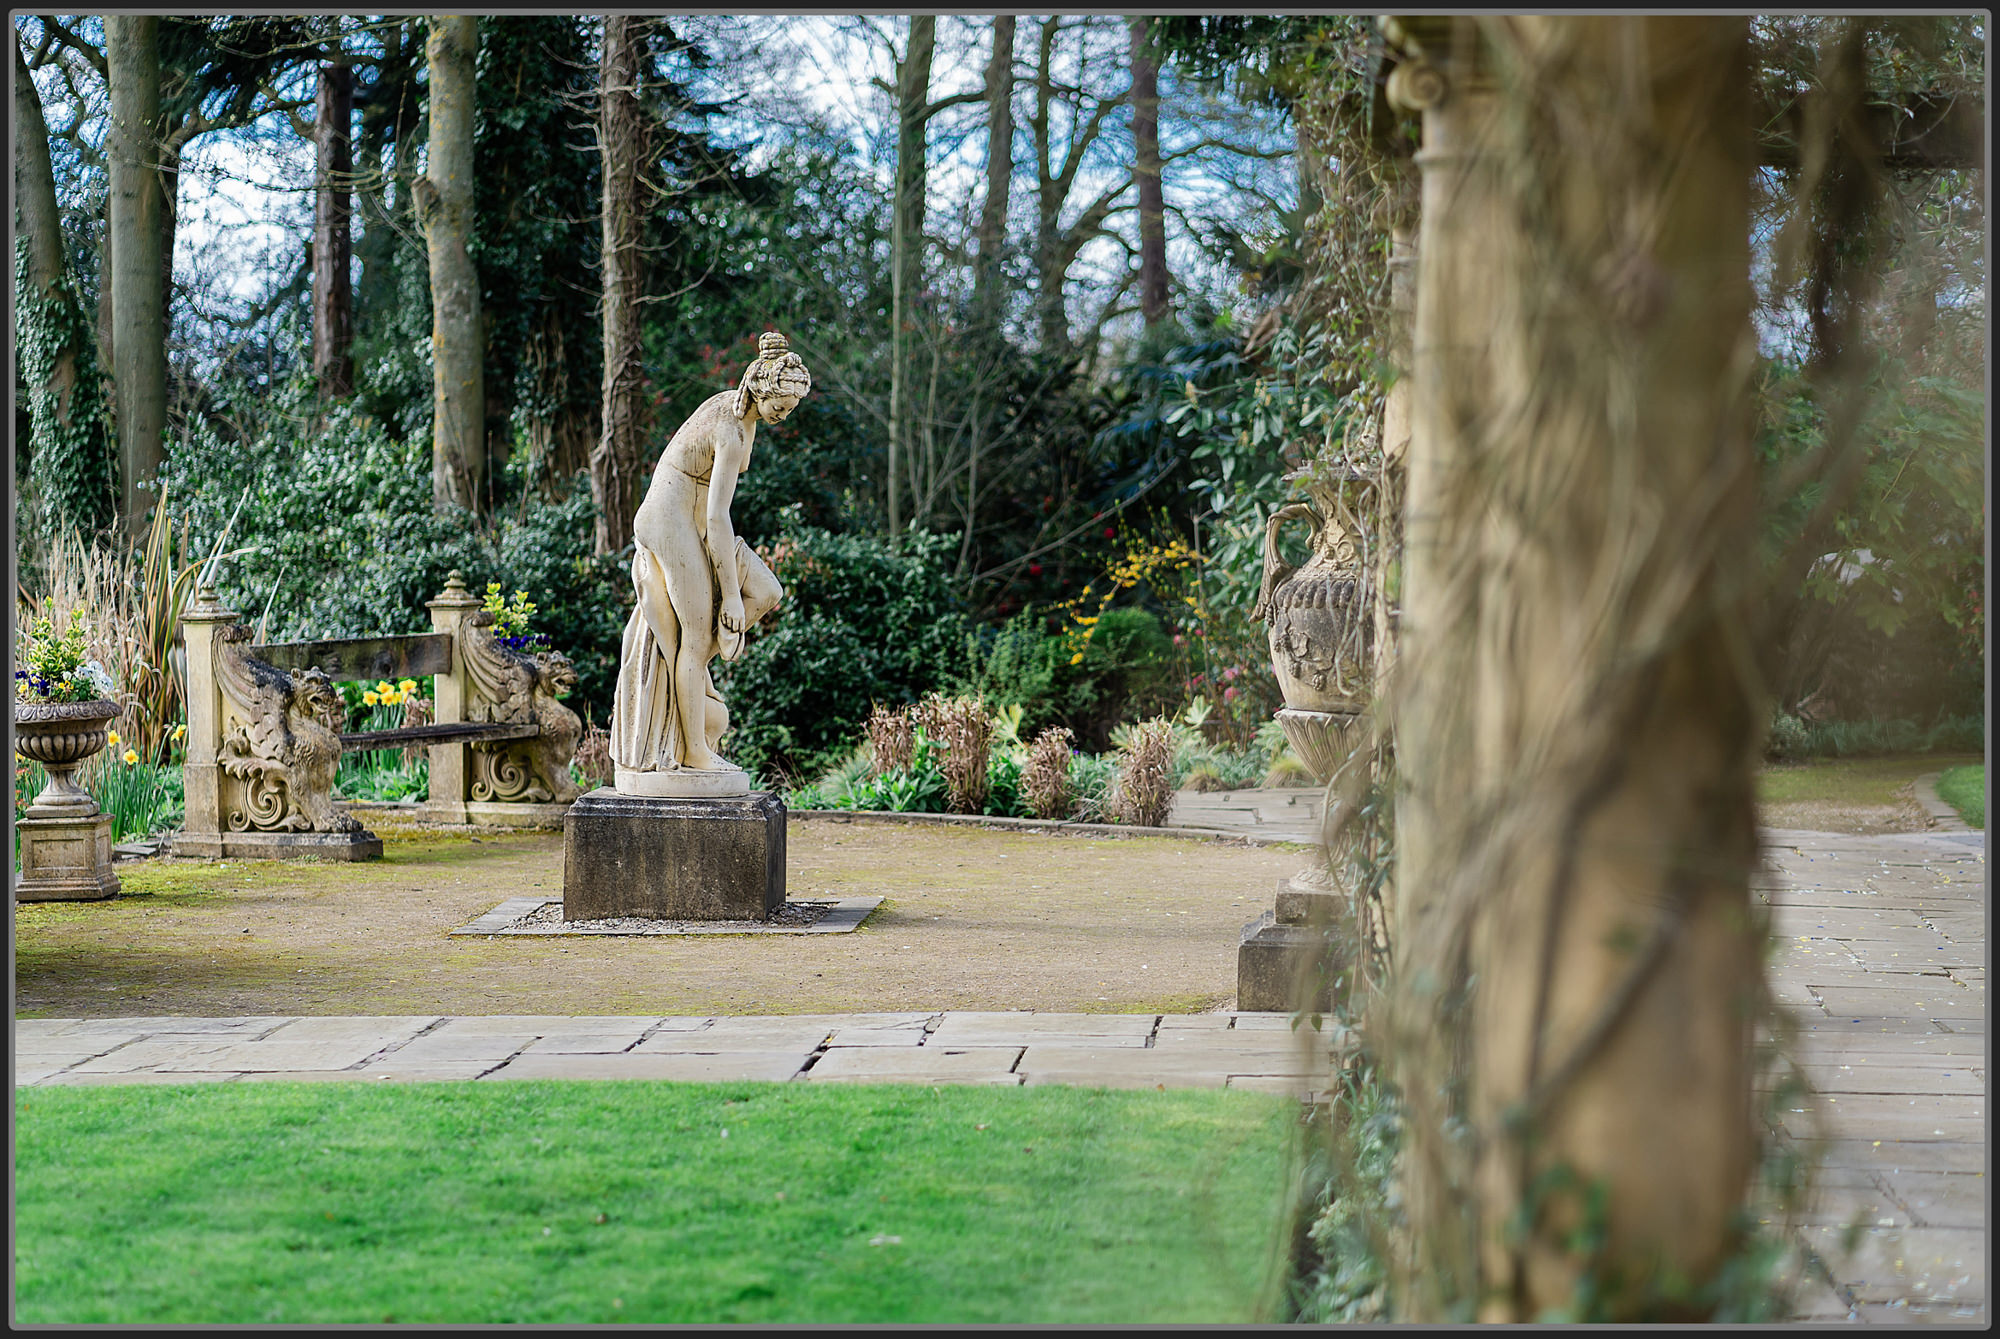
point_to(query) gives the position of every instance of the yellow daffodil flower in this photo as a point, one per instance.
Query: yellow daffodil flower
(408, 687)
(371, 698)
(131, 756)
(385, 686)
(180, 732)
(111, 736)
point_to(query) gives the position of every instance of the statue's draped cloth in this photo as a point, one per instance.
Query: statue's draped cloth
(645, 728)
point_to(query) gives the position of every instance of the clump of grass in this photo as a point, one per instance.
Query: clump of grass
(1045, 781)
(960, 731)
(892, 739)
(592, 764)
(1145, 782)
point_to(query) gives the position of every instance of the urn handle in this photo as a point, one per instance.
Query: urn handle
(1276, 569)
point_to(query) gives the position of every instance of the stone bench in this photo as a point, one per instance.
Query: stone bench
(265, 731)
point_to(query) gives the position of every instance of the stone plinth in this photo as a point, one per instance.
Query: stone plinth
(673, 859)
(65, 859)
(360, 844)
(1282, 953)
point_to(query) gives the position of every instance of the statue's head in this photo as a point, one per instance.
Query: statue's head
(776, 381)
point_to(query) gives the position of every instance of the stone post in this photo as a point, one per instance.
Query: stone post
(450, 765)
(201, 777)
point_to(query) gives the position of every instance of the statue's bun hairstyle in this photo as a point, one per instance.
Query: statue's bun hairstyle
(777, 371)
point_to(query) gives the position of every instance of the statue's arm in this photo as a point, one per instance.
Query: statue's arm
(729, 459)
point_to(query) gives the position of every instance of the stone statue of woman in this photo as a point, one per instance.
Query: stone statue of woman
(699, 587)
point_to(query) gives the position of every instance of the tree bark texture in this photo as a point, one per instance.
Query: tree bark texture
(621, 147)
(906, 242)
(1146, 175)
(444, 202)
(1578, 702)
(999, 174)
(138, 295)
(68, 453)
(333, 236)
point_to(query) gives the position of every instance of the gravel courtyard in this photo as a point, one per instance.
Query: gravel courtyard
(972, 918)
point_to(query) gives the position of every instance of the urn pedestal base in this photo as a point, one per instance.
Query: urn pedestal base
(65, 859)
(673, 859)
(1289, 958)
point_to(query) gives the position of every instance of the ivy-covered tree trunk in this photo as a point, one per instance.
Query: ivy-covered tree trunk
(69, 450)
(138, 293)
(333, 238)
(1582, 967)
(444, 202)
(621, 138)
(1146, 174)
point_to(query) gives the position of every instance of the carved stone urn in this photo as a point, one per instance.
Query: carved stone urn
(62, 736)
(1320, 638)
(65, 840)
(1321, 652)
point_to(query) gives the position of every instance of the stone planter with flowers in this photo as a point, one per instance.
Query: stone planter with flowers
(63, 710)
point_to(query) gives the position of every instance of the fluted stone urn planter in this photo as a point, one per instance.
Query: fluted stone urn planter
(1321, 652)
(65, 839)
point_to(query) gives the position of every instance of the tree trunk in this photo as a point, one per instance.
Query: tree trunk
(138, 299)
(906, 241)
(1049, 191)
(1146, 175)
(68, 453)
(333, 238)
(999, 175)
(1578, 712)
(621, 145)
(444, 201)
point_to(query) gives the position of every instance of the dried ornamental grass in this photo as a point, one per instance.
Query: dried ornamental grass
(1145, 774)
(892, 739)
(1045, 778)
(960, 729)
(593, 757)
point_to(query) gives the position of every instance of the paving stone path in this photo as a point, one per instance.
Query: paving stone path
(1880, 954)
(1237, 1050)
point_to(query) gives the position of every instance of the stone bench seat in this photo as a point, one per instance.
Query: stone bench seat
(265, 730)
(458, 732)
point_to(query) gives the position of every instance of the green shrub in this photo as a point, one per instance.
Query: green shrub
(864, 620)
(1793, 740)
(1128, 669)
(346, 541)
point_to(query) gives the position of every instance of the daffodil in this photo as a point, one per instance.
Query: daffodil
(384, 686)
(371, 698)
(111, 736)
(131, 756)
(408, 687)
(180, 732)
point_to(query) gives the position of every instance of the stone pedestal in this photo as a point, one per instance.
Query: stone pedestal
(673, 859)
(65, 859)
(1290, 953)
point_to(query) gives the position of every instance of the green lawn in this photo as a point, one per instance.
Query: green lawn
(1849, 780)
(594, 1202)
(1964, 789)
